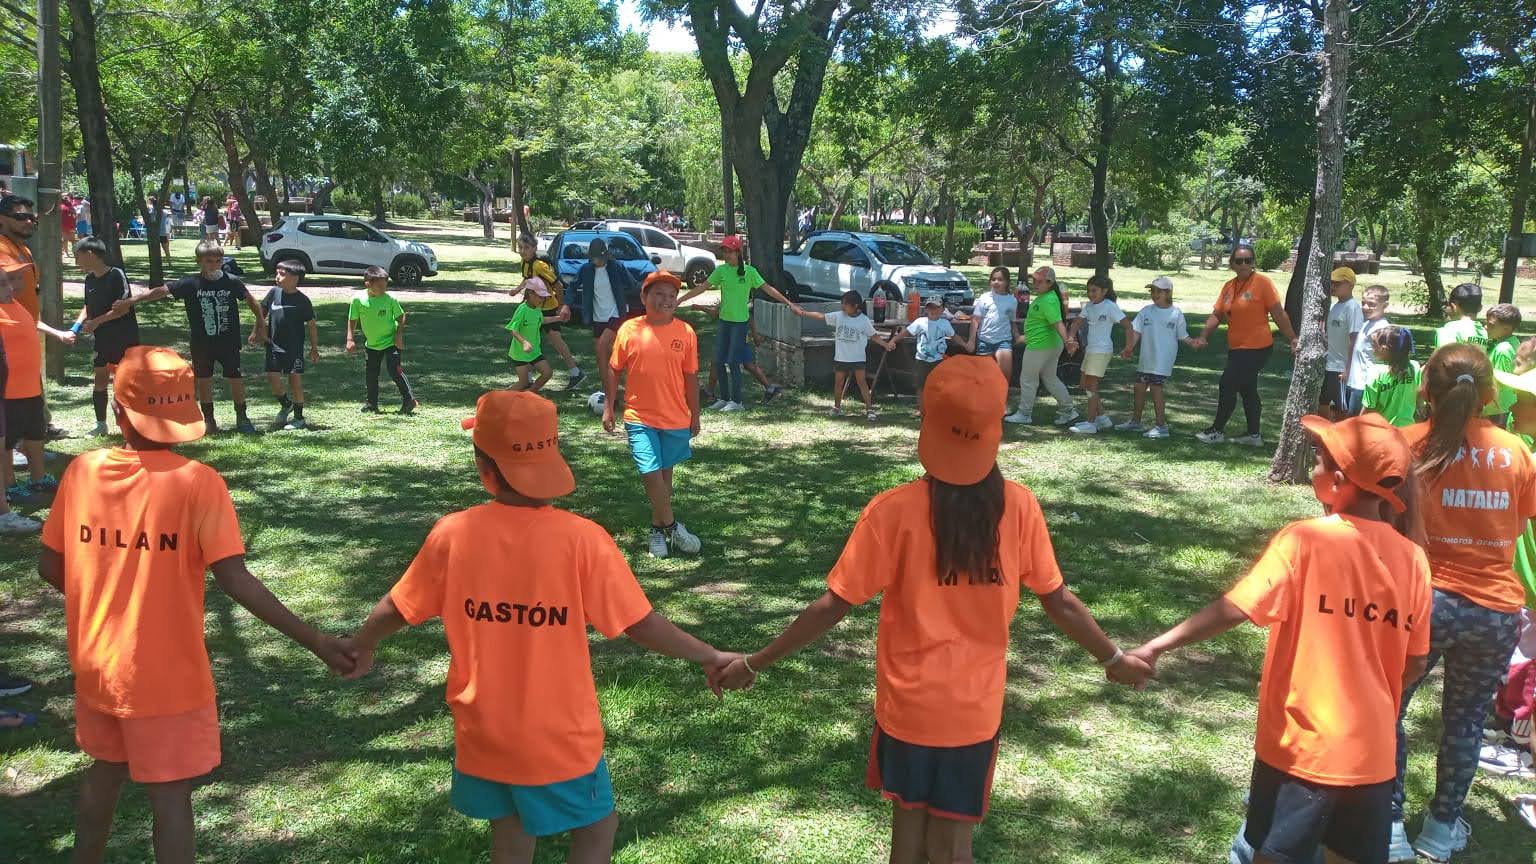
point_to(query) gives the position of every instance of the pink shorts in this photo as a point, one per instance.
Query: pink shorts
(156, 749)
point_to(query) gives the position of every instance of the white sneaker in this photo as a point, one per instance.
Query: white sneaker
(1502, 760)
(658, 543)
(1210, 436)
(683, 541)
(12, 522)
(1438, 841)
(1019, 417)
(1087, 427)
(1130, 426)
(1066, 417)
(732, 407)
(1157, 432)
(718, 405)
(1400, 849)
(1104, 423)
(1248, 440)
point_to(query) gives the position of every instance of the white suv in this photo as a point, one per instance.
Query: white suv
(831, 262)
(692, 264)
(340, 244)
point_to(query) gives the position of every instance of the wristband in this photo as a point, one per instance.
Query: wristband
(1114, 658)
(748, 664)
(75, 328)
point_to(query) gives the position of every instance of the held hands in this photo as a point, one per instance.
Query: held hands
(88, 327)
(565, 314)
(66, 336)
(730, 674)
(339, 654)
(1126, 354)
(362, 659)
(1130, 670)
(122, 306)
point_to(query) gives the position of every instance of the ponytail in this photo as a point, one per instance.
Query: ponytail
(965, 523)
(1457, 381)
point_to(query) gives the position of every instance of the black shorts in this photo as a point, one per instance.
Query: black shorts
(1290, 818)
(550, 326)
(537, 359)
(949, 782)
(25, 420)
(1151, 379)
(285, 362)
(922, 370)
(1333, 392)
(109, 353)
(848, 366)
(226, 353)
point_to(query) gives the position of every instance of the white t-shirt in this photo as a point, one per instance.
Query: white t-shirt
(992, 316)
(1362, 369)
(931, 336)
(603, 309)
(1099, 320)
(1160, 329)
(1343, 319)
(853, 334)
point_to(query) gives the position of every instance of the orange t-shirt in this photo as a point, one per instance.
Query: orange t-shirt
(1475, 511)
(1247, 308)
(657, 358)
(138, 529)
(1347, 602)
(516, 587)
(16, 261)
(941, 657)
(23, 352)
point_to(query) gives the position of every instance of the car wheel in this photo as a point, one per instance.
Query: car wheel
(697, 273)
(408, 271)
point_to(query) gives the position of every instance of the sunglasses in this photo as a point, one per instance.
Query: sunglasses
(1242, 260)
(22, 217)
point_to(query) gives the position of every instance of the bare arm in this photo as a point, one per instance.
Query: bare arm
(775, 294)
(400, 331)
(1132, 338)
(314, 340)
(655, 633)
(1215, 320)
(1218, 616)
(256, 310)
(693, 292)
(382, 622)
(1283, 321)
(813, 622)
(50, 566)
(691, 385)
(351, 345)
(1073, 618)
(248, 591)
(807, 313)
(1414, 668)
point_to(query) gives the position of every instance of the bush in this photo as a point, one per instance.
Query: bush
(845, 222)
(930, 239)
(343, 201)
(1170, 249)
(1413, 295)
(211, 189)
(1269, 254)
(1132, 250)
(1407, 254)
(409, 205)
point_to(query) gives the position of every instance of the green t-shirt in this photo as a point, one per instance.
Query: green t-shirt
(735, 291)
(527, 320)
(1040, 322)
(379, 317)
(1502, 355)
(1462, 330)
(1393, 398)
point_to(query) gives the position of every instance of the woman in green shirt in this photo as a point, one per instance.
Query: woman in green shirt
(1044, 338)
(735, 281)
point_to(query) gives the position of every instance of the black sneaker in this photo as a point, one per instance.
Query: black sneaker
(772, 393)
(409, 408)
(55, 433)
(370, 408)
(13, 686)
(575, 380)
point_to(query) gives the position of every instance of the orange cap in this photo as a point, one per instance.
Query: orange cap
(1371, 452)
(520, 433)
(156, 389)
(659, 277)
(964, 402)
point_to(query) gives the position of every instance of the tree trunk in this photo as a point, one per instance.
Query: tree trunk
(1429, 249)
(322, 200)
(1097, 214)
(1519, 196)
(1293, 291)
(376, 199)
(949, 225)
(488, 207)
(85, 75)
(1292, 463)
(264, 187)
(727, 179)
(151, 221)
(519, 203)
(250, 222)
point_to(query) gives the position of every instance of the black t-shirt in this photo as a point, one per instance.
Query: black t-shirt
(213, 306)
(100, 293)
(286, 316)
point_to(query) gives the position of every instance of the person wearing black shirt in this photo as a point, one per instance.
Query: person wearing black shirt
(289, 316)
(115, 330)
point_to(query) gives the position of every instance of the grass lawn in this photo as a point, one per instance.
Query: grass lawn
(320, 770)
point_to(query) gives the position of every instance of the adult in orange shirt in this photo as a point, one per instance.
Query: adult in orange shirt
(528, 737)
(950, 554)
(1479, 491)
(1246, 304)
(1346, 599)
(661, 403)
(17, 222)
(127, 542)
(26, 418)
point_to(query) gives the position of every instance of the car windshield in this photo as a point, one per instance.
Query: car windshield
(899, 252)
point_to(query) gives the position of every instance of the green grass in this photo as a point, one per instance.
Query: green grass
(320, 770)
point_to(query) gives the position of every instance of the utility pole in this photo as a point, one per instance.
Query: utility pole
(46, 253)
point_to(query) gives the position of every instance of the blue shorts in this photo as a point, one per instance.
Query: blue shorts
(553, 808)
(986, 347)
(733, 342)
(657, 449)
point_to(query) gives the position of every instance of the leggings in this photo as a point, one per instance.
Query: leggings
(1475, 643)
(378, 357)
(1241, 378)
(1040, 366)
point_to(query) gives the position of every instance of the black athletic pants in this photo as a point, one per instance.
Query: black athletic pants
(1241, 378)
(376, 359)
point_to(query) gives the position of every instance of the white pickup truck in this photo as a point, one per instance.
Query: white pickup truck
(829, 263)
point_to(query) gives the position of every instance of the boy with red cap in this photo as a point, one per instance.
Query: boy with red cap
(661, 403)
(950, 554)
(528, 737)
(129, 537)
(1346, 598)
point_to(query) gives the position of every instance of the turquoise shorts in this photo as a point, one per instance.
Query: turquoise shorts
(657, 449)
(553, 808)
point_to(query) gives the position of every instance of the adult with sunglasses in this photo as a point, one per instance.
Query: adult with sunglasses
(1246, 304)
(17, 222)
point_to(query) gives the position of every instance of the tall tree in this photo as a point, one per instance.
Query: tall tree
(85, 76)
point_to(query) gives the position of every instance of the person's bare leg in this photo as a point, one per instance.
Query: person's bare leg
(33, 450)
(236, 389)
(7, 471)
(275, 383)
(1139, 401)
(554, 338)
(604, 351)
(1004, 358)
(96, 808)
(593, 844)
(175, 840)
(839, 381)
(1091, 384)
(545, 372)
(860, 379)
(658, 488)
(909, 830)
(1157, 403)
(757, 373)
(510, 844)
(205, 389)
(522, 378)
(296, 388)
(949, 841)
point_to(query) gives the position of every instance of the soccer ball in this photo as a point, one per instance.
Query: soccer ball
(595, 402)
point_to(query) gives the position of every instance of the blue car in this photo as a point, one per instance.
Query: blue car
(568, 251)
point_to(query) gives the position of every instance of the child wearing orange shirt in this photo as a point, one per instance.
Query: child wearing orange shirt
(1479, 490)
(950, 554)
(661, 403)
(528, 737)
(1346, 599)
(131, 532)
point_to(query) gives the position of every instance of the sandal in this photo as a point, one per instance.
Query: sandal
(10, 719)
(1525, 808)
